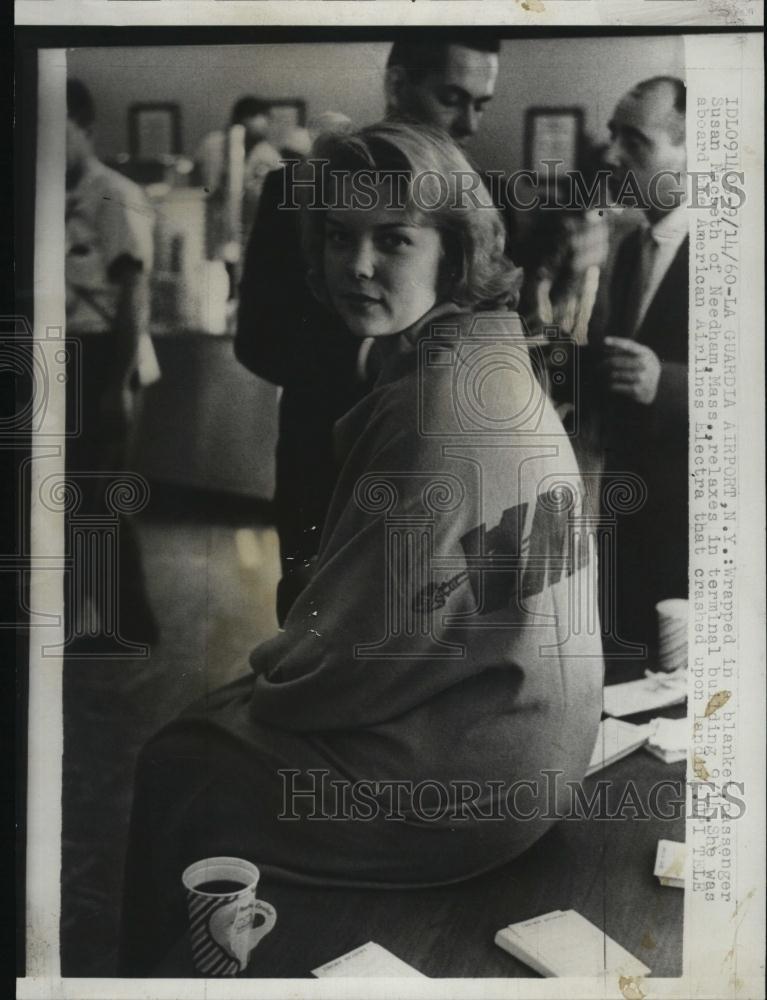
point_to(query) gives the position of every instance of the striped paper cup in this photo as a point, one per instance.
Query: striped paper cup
(221, 897)
(673, 616)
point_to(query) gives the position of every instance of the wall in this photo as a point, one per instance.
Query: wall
(205, 80)
(589, 72)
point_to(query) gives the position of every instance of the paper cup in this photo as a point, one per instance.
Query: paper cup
(221, 896)
(673, 617)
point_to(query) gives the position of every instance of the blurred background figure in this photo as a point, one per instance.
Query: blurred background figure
(232, 165)
(252, 114)
(109, 252)
(566, 254)
(296, 144)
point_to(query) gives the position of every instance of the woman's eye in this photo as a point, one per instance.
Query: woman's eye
(394, 241)
(335, 237)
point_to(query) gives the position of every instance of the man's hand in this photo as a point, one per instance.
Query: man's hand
(631, 369)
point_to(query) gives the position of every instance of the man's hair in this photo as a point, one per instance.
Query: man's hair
(476, 274)
(679, 90)
(418, 57)
(247, 107)
(80, 106)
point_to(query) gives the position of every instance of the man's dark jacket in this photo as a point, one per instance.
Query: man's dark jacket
(650, 442)
(286, 336)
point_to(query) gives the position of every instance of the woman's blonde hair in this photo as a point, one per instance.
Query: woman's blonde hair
(430, 178)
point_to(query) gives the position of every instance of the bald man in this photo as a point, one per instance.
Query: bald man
(643, 371)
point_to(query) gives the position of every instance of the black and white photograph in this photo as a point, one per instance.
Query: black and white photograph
(387, 474)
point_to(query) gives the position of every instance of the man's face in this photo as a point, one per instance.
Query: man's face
(453, 98)
(647, 139)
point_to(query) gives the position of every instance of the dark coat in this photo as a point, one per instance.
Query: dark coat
(287, 337)
(651, 442)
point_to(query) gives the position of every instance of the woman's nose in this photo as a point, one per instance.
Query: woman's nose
(361, 260)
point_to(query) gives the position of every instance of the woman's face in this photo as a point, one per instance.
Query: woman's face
(381, 268)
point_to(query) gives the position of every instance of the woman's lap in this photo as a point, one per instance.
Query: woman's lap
(201, 791)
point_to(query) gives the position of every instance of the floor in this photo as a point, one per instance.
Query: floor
(212, 568)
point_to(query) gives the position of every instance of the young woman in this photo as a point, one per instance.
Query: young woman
(441, 658)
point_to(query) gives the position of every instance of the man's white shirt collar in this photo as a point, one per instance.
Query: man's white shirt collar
(668, 234)
(672, 228)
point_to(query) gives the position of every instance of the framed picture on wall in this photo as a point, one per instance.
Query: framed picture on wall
(553, 134)
(154, 131)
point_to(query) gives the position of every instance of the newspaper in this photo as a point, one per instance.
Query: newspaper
(716, 47)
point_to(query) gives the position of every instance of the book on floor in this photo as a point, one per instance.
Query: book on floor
(369, 960)
(669, 863)
(564, 943)
(615, 739)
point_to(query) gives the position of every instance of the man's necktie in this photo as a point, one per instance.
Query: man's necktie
(644, 255)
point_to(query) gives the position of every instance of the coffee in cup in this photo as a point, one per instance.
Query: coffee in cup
(222, 903)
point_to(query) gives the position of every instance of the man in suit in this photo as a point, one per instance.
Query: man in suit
(285, 336)
(643, 370)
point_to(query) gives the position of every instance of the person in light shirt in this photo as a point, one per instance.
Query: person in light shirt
(109, 250)
(210, 158)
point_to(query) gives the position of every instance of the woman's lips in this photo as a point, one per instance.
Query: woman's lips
(360, 299)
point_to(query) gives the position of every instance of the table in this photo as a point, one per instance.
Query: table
(601, 868)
